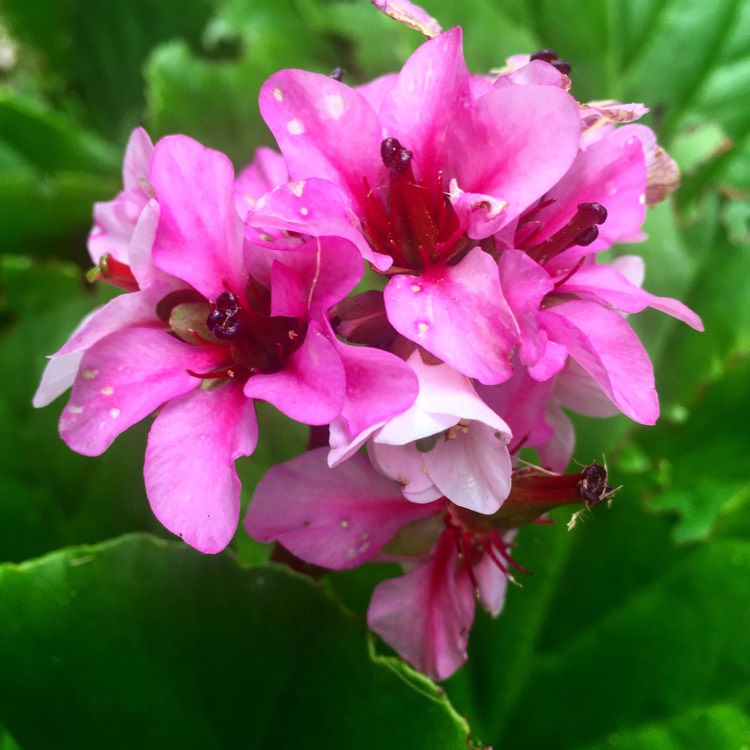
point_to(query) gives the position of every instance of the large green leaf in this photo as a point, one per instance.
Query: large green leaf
(145, 642)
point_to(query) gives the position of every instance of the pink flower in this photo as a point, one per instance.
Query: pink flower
(343, 517)
(417, 174)
(213, 323)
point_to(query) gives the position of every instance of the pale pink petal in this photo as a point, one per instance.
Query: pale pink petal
(472, 467)
(324, 129)
(409, 14)
(189, 472)
(456, 313)
(405, 465)
(606, 347)
(445, 397)
(523, 140)
(482, 214)
(429, 101)
(137, 159)
(426, 615)
(603, 283)
(123, 378)
(577, 390)
(57, 377)
(336, 518)
(312, 384)
(534, 72)
(492, 584)
(200, 237)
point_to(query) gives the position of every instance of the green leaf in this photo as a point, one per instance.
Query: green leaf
(139, 638)
(722, 726)
(703, 449)
(93, 51)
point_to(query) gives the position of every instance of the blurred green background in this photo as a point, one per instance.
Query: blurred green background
(634, 629)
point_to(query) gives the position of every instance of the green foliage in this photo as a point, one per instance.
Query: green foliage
(633, 630)
(140, 638)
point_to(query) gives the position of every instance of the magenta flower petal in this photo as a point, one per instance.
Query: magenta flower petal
(426, 615)
(122, 379)
(456, 313)
(525, 284)
(611, 172)
(524, 140)
(336, 518)
(314, 207)
(324, 128)
(189, 472)
(431, 96)
(379, 386)
(606, 284)
(312, 384)
(266, 172)
(200, 235)
(606, 347)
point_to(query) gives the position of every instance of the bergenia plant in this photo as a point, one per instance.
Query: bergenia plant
(420, 274)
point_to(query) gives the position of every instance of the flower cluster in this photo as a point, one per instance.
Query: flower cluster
(417, 270)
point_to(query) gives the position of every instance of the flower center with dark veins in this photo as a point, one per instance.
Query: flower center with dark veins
(412, 221)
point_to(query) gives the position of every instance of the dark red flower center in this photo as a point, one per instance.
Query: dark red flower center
(411, 220)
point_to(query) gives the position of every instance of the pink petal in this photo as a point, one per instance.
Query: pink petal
(336, 518)
(374, 91)
(473, 469)
(428, 102)
(190, 477)
(611, 172)
(426, 615)
(312, 384)
(525, 284)
(266, 172)
(456, 313)
(555, 453)
(523, 140)
(577, 390)
(317, 208)
(199, 239)
(606, 347)
(379, 386)
(122, 379)
(324, 129)
(606, 284)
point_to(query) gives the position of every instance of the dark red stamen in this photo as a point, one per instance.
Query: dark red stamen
(549, 56)
(560, 282)
(411, 220)
(580, 230)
